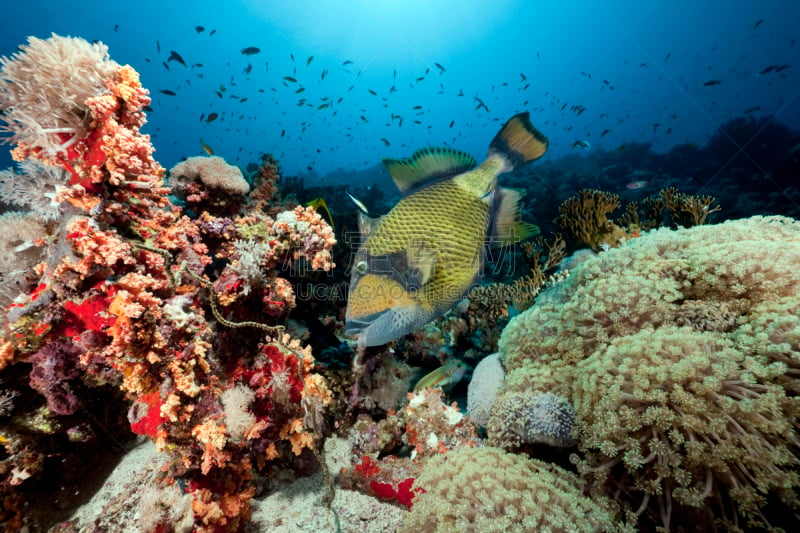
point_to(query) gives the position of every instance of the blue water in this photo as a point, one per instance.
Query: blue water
(639, 69)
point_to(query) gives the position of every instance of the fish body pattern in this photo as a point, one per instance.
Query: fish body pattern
(419, 259)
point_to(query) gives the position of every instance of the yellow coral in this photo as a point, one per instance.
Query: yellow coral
(489, 490)
(680, 352)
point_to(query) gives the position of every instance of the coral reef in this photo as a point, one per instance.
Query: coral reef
(117, 312)
(585, 215)
(488, 489)
(426, 426)
(208, 184)
(678, 352)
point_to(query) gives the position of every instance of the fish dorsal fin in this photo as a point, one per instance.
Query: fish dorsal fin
(507, 228)
(427, 165)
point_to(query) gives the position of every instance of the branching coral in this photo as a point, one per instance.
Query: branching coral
(585, 217)
(678, 351)
(487, 489)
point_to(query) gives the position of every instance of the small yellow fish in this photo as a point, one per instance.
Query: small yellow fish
(420, 258)
(321, 206)
(445, 377)
(206, 148)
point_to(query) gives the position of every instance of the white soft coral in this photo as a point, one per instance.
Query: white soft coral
(41, 96)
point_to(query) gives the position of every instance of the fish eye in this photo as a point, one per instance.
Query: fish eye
(361, 267)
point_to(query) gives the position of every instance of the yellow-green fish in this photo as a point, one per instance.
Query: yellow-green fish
(445, 377)
(321, 206)
(206, 148)
(420, 258)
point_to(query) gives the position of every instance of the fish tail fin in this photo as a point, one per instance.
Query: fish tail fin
(518, 142)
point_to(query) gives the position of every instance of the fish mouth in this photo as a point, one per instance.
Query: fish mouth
(375, 329)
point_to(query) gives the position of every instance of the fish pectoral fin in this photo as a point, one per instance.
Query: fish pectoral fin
(428, 165)
(421, 262)
(507, 228)
(366, 224)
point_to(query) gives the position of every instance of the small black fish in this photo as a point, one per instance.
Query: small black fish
(158, 47)
(522, 77)
(167, 92)
(212, 33)
(165, 65)
(385, 142)
(758, 23)
(211, 118)
(452, 123)
(116, 27)
(199, 29)
(309, 60)
(666, 57)
(248, 69)
(148, 109)
(175, 56)
(362, 117)
(441, 68)
(712, 82)
(301, 89)
(250, 50)
(347, 62)
(605, 132)
(480, 104)
(289, 79)
(417, 107)
(324, 73)
(373, 93)
(283, 133)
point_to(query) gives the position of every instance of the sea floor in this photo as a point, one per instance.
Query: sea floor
(294, 505)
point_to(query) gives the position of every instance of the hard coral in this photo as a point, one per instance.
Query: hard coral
(585, 216)
(678, 351)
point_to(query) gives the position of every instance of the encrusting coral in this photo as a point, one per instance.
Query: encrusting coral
(490, 490)
(116, 311)
(679, 352)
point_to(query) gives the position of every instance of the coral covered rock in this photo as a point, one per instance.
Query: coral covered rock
(679, 352)
(530, 419)
(489, 490)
